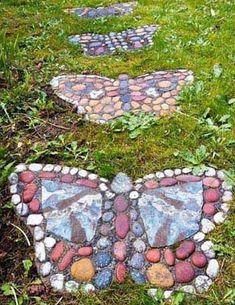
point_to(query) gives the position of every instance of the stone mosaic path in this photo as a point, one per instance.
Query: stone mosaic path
(89, 232)
(118, 9)
(129, 40)
(102, 99)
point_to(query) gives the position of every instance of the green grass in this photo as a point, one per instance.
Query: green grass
(35, 126)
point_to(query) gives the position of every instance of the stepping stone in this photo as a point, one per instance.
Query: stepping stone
(130, 40)
(102, 99)
(89, 232)
(118, 9)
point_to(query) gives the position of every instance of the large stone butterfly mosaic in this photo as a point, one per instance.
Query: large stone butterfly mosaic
(102, 99)
(90, 232)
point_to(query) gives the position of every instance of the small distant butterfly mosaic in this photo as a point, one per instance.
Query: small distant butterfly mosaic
(89, 232)
(102, 99)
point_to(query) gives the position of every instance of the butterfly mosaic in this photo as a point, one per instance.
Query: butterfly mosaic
(90, 232)
(102, 99)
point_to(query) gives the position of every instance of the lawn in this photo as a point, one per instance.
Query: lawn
(35, 126)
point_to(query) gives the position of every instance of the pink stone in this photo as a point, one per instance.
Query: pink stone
(29, 192)
(46, 175)
(211, 195)
(27, 176)
(184, 272)
(67, 178)
(122, 225)
(168, 181)
(119, 251)
(199, 259)
(87, 182)
(209, 209)
(105, 229)
(151, 184)
(185, 249)
(169, 257)
(85, 251)
(153, 255)
(34, 205)
(188, 178)
(66, 260)
(211, 182)
(57, 251)
(112, 93)
(120, 272)
(120, 203)
(138, 98)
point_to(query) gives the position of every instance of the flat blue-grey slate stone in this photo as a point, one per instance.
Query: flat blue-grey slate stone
(138, 277)
(103, 279)
(121, 183)
(171, 214)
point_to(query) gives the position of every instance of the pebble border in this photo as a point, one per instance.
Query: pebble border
(54, 257)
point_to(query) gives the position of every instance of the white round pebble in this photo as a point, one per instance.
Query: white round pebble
(200, 236)
(186, 170)
(109, 195)
(202, 283)
(148, 177)
(83, 173)
(159, 175)
(49, 242)
(227, 196)
(152, 292)
(208, 248)
(226, 186)
(188, 289)
(48, 168)
(167, 294)
(169, 172)
(38, 233)
(207, 225)
(20, 168)
(15, 199)
(71, 286)
(88, 288)
(138, 181)
(212, 269)
(34, 219)
(225, 207)
(57, 168)
(73, 171)
(103, 187)
(93, 176)
(22, 209)
(177, 171)
(65, 170)
(35, 167)
(210, 172)
(57, 281)
(13, 189)
(133, 195)
(45, 269)
(219, 217)
(40, 251)
(221, 175)
(139, 245)
(13, 178)
(138, 187)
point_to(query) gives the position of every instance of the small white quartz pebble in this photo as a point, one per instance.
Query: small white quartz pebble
(48, 168)
(219, 217)
(15, 199)
(152, 292)
(212, 269)
(169, 172)
(35, 167)
(13, 178)
(20, 168)
(34, 219)
(71, 286)
(226, 186)
(221, 175)
(199, 236)
(22, 209)
(202, 283)
(167, 294)
(207, 225)
(103, 187)
(83, 173)
(88, 288)
(210, 172)
(148, 177)
(138, 187)
(139, 245)
(57, 281)
(225, 207)
(188, 289)
(73, 171)
(38, 233)
(57, 168)
(13, 189)
(227, 196)
(40, 251)
(45, 269)
(49, 242)
(109, 195)
(93, 176)
(186, 170)
(208, 248)
(134, 195)
(177, 171)
(159, 175)
(138, 181)
(65, 170)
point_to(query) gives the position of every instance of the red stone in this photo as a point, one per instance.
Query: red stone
(153, 255)
(57, 251)
(87, 182)
(185, 249)
(67, 178)
(122, 225)
(211, 195)
(184, 272)
(120, 203)
(168, 181)
(47, 175)
(120, 272)
(119, 251)
(151, 184)
(66, 260)
(85, 251)
(169, 257)
(27, 176)
(29, 192)
(199, 259)
(209, 209)
(34, 205)
(211, 182)
(188, 178)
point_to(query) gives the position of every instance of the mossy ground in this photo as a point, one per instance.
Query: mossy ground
(35, 126)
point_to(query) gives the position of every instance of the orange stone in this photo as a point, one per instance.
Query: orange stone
(83, 270)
